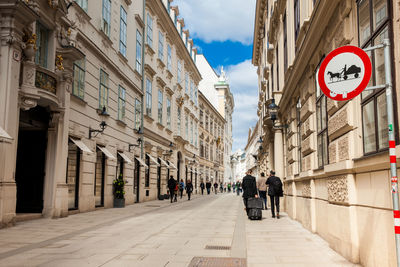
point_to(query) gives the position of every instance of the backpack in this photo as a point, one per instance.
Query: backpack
(277, 186)
(180, 186)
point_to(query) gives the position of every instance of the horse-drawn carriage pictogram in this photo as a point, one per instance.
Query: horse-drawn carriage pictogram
(344, 73)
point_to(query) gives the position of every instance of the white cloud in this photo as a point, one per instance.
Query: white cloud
(219, 20)
(243, 79)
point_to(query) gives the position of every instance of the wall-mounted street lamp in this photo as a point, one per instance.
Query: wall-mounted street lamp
(103, 125)
(273, 111)
(139, 141)
(170, 151)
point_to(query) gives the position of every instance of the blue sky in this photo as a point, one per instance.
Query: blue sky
(224, 34)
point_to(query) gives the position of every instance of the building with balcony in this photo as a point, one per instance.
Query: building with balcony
(332, 156)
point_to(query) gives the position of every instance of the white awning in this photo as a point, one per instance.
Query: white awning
(153, 160)
(81, 145)
(4, 136)
(171, 165)
(142, 163)
(163, 162)
(125, 157)
(106, 152)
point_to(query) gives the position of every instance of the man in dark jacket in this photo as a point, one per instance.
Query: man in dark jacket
(249, 187)
(202, 187)
(208, 186)
(274, 192)
(171, 186)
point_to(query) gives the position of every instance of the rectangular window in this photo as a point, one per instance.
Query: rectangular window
(103, 90)
(178, 121)
(122, 32)
(206, 123)
(322, 131)
(149, 39)
(285, 49)
(169, 57)
(160, 46)
(147, 172)
(169, 113)
(296, 19)
(191, 89)
(138, 113)
(187, 83)
(160, 106)
(191, 132)
(148, 97)
(374, 25)
(121, 103)
(42, 43)
(168, 6)
(195, 135)
(272, 78)
(106, 22)
(277, 69)
(299, 158)
(138, 51)
(83, 4)
(179, 71)
(201, 118)
(78, 87)
(196, 95)
(201, 148)
(187, 126)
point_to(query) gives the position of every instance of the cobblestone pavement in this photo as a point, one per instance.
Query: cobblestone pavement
(158, 233)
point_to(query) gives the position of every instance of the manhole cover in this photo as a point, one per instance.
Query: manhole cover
(217, 262)
(218, 247)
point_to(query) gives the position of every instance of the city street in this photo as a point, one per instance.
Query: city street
(156, 233)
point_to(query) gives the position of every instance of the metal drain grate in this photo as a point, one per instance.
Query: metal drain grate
(218, 247)
(217, 262)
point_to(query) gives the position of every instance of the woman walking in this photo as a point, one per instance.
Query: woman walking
(189, 188)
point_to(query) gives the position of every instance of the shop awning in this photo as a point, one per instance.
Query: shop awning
(163, 162)
(106, 152)
(171, 165)
(153, 160)
(125, 157)
(81, 145)
(4, 136)
(142, 163)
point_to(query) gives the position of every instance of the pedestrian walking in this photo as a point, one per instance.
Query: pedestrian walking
(221, 187)
(189, 188)
(202, 187)
(208, 187)
(229, 187)
(171, 187)
(274, 191)
(181, 187)
(238, 185)
(262, 189)
(215, 187)
(249, 188)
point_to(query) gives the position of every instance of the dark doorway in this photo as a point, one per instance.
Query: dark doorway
(73, 171)
(159, 179)
(136, 180)
(179, 166)
(31, 157)
(99, 178)
(186, 175)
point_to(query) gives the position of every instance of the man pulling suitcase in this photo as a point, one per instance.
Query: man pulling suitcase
(250, 196)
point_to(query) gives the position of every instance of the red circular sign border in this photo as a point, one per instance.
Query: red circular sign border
(367, 75)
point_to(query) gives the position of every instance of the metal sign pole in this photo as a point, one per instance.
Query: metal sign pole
(392, 146)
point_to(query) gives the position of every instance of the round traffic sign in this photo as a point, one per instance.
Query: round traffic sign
(344, 73)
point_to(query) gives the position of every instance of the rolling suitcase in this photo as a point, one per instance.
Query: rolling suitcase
(255, 206)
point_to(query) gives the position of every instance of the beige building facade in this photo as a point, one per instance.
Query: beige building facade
(92, 91)
(332, 156)
(211, 152)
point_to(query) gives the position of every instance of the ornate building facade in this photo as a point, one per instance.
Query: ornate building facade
(88, 95)
(332, 156)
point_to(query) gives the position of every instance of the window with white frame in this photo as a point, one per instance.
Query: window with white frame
(149, 39)
(42, 45)
(122, 32)
(178, 120)
(196, 96)
(78, 87)
(160, 106)
(191, 132)
(187, 83)
(106, 22)
(322, 125)
(138, 113)
(187, 126)
(103, 90)
(169, 113)
(191, 89)
(138, 51)
(299, 157)
(169, 57)
(160, 46)
(121, 103)
(148, 97)
(179, 71)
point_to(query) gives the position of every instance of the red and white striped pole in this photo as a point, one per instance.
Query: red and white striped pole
(392, 147)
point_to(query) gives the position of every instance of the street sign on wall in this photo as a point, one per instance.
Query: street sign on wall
(344, 73)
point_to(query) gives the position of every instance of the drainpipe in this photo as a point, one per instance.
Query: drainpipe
(143, 78)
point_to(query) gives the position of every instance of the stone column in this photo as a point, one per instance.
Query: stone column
(278, 153)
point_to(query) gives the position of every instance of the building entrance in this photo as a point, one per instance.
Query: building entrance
(31, 158)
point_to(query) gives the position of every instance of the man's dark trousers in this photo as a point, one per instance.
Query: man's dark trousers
(245, 204)
(274, 201)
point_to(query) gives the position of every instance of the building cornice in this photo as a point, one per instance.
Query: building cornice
(258, 23)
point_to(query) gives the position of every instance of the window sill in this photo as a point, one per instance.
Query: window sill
(169, 74)
(160, 126)
(122, 57)
(149, 50)
(121, 123)
(148, 118)
(138, 74)
(105, 37)
(161, 64)
(79, 100)
(169, 131)
(371, 155)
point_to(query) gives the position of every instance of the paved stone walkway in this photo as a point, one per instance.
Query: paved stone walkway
(158, 233)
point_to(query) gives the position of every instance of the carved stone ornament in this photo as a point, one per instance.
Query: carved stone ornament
(59, 62)
(306, 191)
(27, 103)
(29, 45)
(337, 189)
